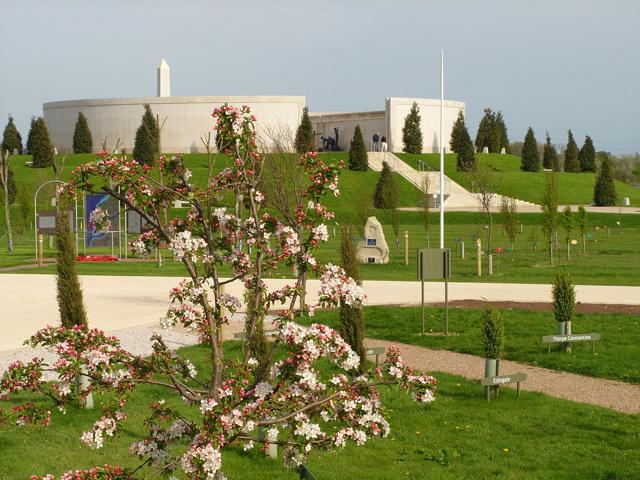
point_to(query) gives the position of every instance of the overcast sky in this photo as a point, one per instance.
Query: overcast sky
(552, 65)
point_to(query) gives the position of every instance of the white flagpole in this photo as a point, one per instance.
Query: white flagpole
(441, 150)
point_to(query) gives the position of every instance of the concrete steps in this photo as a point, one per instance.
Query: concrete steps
(456, 196)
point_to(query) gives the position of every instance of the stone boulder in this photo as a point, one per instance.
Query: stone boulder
(374, 248)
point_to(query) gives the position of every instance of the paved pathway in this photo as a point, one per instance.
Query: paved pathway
(28, 302)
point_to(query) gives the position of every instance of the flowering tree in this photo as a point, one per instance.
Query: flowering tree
(250, 401)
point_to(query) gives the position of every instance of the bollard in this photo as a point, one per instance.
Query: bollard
(406, 247)
(40, 248)
(479, 244)
(490, 264)
(462, 250)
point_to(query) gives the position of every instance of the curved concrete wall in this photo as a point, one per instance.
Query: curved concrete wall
(187, 119)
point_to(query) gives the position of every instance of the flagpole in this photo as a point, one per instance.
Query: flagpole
(441, 150)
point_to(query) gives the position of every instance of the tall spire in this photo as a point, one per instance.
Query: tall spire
(164, 79)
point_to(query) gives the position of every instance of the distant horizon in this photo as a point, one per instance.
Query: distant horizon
(553, 66)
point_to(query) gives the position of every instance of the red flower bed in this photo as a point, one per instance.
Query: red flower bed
(97, 258)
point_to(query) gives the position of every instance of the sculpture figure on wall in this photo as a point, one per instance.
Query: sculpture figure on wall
(330, 144)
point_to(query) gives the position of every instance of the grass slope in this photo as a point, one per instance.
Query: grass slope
(458, 436)
(616, 356)
(573, 188)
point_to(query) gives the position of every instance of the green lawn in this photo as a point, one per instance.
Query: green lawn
(616, 357)
(573, 188)
(613, 260)
(458, 436)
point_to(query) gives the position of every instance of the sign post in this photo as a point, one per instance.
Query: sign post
(435, 264)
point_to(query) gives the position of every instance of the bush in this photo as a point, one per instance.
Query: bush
(11, 139)
(145, 150)
(41, 149)
(82, 139)
(412, 132)
(386, 193)
(305, 140)
(563, 296)
(530, 154)
(604, 190)
(358, 152)
(351, 321)
(492, 329)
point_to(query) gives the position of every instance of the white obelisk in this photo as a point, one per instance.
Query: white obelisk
(441, 150)
(164, 79)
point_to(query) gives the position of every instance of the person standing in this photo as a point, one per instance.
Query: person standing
(376, 140)
(383, 142)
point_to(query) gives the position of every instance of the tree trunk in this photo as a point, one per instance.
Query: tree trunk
(550, 253)
(7, 215)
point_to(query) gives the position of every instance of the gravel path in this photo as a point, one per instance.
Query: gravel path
(620, 396)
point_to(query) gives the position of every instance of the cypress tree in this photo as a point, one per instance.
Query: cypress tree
(563, 295)
(305, 139)
(412, 132)
(455, 143)
(82, 139)
(530, 154)
(42, 149)
(466, 158)
(604, 191)
(358, 152)
(351, 321)
(486, 131)
(145, 150)
(502, 135)
(70, 302)
(550, 156)
(11, 139)
(587, 156)
(30, 136)
(386, 194)
(571, 162)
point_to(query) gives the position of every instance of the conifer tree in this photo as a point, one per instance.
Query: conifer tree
(412, 131)
(486, 131)
(386, 194)
(29, 144)
(455, 142)
(358, 152)
(11, 139)
(530, 154)
(305, 140)
(41, 149)
(571, 162)
(502, 134)
(604, 191)
(82, 139)
(550, 156)
(70, 302)
(351, 321)
(466, 158)
(587, 156)
(145, 150)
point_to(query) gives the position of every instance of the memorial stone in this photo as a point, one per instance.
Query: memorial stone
(374, 248)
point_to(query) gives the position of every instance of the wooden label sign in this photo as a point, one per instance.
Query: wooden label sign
(502, 379)
(583, 337)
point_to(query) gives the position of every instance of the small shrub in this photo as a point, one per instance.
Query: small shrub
(563, 295)
(492, 333)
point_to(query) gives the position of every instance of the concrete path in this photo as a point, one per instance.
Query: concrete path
(28, 302)
(619, 396)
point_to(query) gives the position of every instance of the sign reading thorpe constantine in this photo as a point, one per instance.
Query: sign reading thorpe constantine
(584, 337)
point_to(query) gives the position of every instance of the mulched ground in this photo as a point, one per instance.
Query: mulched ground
(544, 306)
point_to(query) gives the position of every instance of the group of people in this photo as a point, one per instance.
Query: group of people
(379, 143)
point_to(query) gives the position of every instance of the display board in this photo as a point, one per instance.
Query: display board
(111, 206)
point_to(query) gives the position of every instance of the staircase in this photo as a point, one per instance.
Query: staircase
(455, 196)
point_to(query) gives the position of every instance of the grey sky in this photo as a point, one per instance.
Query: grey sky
(553, 65)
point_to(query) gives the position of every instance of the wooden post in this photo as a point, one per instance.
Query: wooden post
(462, 250)
(490, 264)
(406, 247)
(40, 248)
(479, 245)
